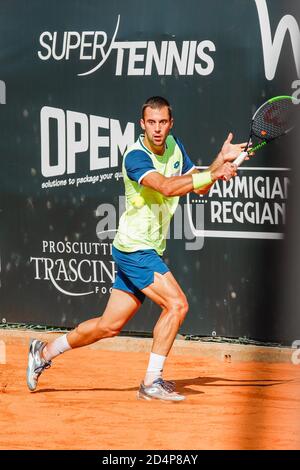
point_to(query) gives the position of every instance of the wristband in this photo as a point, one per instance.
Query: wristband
(201, 179)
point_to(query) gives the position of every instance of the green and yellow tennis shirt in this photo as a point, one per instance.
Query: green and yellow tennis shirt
(145, 222)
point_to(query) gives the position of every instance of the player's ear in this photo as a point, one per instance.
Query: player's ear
(142, 123)
(172, 122)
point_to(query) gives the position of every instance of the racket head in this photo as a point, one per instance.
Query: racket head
(275, 118)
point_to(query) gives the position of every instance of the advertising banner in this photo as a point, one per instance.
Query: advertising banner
(73, 78)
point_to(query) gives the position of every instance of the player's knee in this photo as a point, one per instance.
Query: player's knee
(111, 332)
(114, 330)
(180, 308)
(108, 330)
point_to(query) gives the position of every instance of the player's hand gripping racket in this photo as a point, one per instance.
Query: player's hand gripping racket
(275, 118)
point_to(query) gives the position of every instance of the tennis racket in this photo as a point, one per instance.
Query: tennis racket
(275, 118)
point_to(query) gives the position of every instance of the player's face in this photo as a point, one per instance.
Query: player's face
(157, 125)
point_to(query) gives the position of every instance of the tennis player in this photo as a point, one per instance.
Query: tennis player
(157, 171)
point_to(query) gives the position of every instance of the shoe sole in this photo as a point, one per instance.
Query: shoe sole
(28, 370)
(141, 396)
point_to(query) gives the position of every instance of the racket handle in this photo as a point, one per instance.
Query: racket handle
(239, 160)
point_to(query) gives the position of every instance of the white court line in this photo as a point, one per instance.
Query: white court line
(2, 352)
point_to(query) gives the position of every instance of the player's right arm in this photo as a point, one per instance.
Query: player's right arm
(139, 168)
(181, 185)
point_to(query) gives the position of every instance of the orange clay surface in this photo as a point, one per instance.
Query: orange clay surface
(87, 400)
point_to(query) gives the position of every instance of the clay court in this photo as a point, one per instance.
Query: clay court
(87, 400)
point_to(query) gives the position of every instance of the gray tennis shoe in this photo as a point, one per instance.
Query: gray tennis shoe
(36, 363)
(159, 390)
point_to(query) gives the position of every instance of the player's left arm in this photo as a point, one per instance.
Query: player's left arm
(204, 189)
(228, 153)
(189, 168)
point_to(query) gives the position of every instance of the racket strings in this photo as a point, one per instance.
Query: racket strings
(273, 119)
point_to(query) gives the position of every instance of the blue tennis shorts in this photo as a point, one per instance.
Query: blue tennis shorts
(136, 270)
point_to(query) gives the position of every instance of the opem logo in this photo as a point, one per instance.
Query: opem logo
(132, 57)
(105, 139)
(272, 47)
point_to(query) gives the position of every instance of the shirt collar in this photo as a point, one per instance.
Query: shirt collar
(141, 141)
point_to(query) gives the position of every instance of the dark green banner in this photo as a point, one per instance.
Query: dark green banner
(73, 78)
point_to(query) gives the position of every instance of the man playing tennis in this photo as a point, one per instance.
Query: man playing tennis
(156, 170)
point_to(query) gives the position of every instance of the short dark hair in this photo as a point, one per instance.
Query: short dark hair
(156, 102)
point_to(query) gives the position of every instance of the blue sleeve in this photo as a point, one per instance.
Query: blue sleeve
(137, 164)
(187, 162)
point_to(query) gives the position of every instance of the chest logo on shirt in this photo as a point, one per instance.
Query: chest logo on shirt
(176, 165)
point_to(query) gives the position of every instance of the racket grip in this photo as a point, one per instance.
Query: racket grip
(239, 160)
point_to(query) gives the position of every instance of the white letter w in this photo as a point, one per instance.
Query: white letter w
(272, 50)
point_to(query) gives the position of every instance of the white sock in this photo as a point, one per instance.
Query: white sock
(155, 368)
(56, 347)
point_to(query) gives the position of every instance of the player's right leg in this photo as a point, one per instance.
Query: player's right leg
(120, 309)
